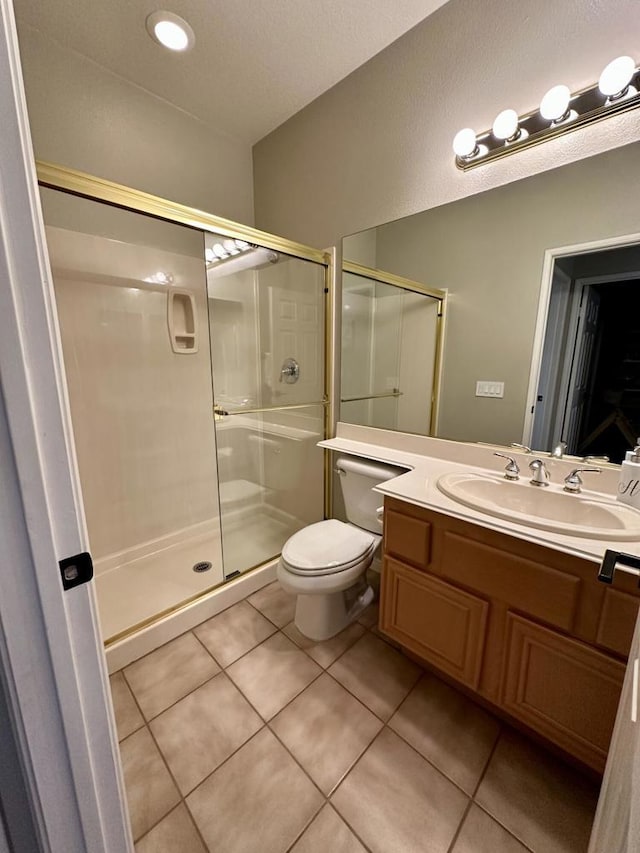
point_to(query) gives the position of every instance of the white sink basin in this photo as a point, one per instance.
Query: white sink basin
(548, 508)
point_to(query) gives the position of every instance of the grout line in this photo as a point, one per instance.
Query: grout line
(459, 827)
(489, 759)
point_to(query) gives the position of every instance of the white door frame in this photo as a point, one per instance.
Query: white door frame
(550, 257)
(51, 653)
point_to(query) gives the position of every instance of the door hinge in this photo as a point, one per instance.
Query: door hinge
(76, 570)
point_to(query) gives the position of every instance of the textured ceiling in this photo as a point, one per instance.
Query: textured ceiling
(254, 63)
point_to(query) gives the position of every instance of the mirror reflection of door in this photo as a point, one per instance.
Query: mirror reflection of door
(589, 389)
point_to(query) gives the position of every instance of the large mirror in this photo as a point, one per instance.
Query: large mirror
(542, 341)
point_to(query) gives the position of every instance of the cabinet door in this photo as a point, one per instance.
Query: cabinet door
(562, 688)
(437, 621)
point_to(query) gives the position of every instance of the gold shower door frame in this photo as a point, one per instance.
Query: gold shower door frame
(86, 186)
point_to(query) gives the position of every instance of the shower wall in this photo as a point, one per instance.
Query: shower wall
(141, 413)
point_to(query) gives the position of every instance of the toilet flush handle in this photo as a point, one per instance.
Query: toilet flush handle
(380, 515)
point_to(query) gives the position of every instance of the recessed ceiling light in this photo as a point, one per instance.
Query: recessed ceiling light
(170, 31)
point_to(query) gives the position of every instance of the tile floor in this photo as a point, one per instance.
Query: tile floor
(242, 736)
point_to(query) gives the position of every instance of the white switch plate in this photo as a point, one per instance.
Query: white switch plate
(485, 388)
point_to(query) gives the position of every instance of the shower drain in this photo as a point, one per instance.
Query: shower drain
(202, 567)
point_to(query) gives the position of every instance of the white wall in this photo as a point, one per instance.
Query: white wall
(85, 117)
(378, 145)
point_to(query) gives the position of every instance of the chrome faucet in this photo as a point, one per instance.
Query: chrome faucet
(573, 481)
(559, 450)
(523, 447)
(512, 471)
(540, 474)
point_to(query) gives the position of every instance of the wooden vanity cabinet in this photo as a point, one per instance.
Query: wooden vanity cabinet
(529, 629)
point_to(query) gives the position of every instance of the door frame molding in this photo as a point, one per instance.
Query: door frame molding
(51, 654)
(550, 257)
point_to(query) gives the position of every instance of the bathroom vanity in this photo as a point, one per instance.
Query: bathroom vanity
(528, 628)
(516, 616)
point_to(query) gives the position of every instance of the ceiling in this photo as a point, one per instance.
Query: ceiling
(254, 63)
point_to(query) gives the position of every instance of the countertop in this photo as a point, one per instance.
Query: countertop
(419, 486)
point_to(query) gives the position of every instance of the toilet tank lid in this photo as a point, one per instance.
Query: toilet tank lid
(378, 471)
(326, 544)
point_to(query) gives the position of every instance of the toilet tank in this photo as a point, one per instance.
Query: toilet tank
(357, 479)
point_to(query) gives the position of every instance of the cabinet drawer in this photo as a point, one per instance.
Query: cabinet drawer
(435, 620)
(617, 621)
(531, 587)
(407, 538)
(562, 688)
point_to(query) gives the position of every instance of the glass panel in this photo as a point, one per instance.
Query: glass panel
(266, 320)
(139, 380)
(271, 481)
(388, 355)
(267, 329)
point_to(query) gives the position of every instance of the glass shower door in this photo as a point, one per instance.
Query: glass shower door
(266, 321)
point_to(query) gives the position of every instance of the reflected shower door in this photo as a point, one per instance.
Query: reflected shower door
(131, 300)
(389, 351)
(266, 322)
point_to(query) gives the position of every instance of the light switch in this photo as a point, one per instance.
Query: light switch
(488, 388)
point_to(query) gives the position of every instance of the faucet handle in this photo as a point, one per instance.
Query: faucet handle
(523, 447)
(540, 473)
(512, 471)
(573, 480)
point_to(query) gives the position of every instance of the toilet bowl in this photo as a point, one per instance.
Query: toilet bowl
(324, 564)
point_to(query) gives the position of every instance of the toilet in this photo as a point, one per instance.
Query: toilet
(324, 564)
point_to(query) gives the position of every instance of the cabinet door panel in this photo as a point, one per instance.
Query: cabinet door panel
(562, 688)
(440, 623)
(407, 538)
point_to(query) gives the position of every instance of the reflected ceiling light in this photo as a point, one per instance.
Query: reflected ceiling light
(251, 258)
(615, 78)
(554, 106)
(505, 125)
(560, 111)
(170, 30)
(465, 143)
(160, 278)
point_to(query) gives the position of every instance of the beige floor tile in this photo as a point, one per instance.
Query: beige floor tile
(174, 834)
(481, 834)
(448, 729)
(396, 801)
(328, 833)
(128, 716)
(543, 802)
(202, 730)
(231, 634)
(274, 603)
(151, 792)
(166, 675)
(259, 800)
(272, 674)
(378, 675)
(370, 615)
(326, 730)
(327, 651)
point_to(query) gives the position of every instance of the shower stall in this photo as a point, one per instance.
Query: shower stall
(195, 368)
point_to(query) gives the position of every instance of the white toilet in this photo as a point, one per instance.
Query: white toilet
(324, 564)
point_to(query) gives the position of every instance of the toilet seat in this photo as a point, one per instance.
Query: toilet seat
(327, 547)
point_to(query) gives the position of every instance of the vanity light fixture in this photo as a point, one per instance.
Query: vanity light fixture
(560, 111)
(170, 30)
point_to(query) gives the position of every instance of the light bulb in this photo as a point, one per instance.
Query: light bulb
(464, 143)
(555, 103)
(505, 125)
(219, 251)
(616, 77)
(208, 255)
(170, 30)
(230, 246)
